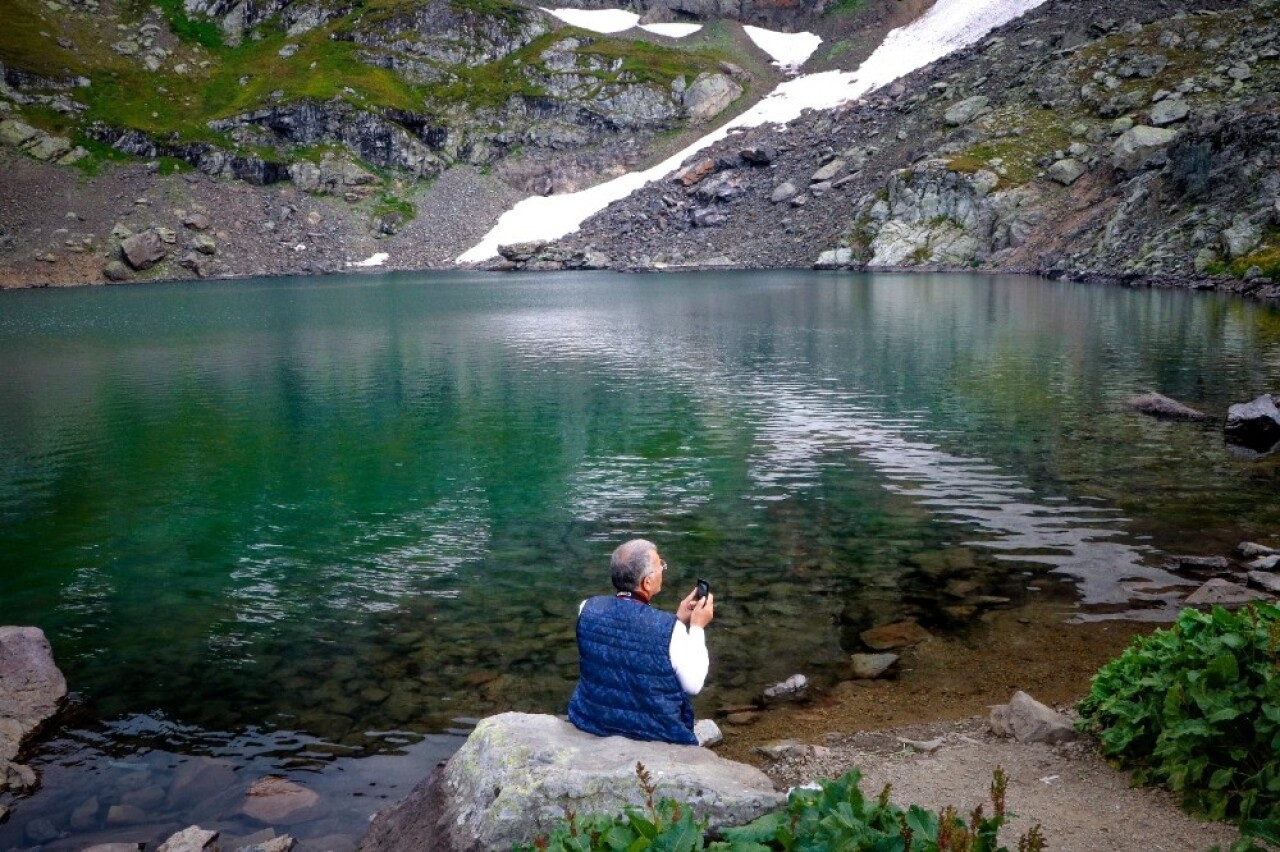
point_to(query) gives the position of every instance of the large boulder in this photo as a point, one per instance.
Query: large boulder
(1029, 721)
(143, 251)
(31, 692)
(709, 95)
(517, 773)
(1142, 147)
(1255, 424)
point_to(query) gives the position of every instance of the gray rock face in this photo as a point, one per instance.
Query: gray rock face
(965, 111)
(1164, 408)
(834, 258)
(1169, 111)
(31, 692)
(1241, 238)
(517, 772)
(934, 214)
(1255, 424)
(1141, 147)
(709, 95)
(1029, 721)
(117, 271)
(1066, 172)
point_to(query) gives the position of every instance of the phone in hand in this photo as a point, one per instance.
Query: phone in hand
(703, 589)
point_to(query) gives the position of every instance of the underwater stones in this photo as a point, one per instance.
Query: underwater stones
(1164, 408)
(900, 634)
(944, 563)
(789, 688)
(869, 666)
(275, 799)
(125, 815)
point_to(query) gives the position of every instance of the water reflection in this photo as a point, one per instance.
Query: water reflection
(349, 511)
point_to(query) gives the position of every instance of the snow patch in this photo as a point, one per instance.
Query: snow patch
(788, 50)
(596, 20)
(947, 26)
(672, 30)
(373, 260)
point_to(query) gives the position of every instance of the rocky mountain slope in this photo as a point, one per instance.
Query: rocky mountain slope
(276, 137)
(367, 103)
(1143, 146)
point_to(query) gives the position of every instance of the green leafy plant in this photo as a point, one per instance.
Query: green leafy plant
(838, 816)
(834, 816)
(1197, 709)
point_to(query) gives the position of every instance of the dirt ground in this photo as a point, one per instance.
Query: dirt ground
(942, 692)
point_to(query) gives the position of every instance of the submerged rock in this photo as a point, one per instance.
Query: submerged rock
(789, 688)
(868, 666)
(900, 634)
(1161, 406)
(278, 800)
(515, 775)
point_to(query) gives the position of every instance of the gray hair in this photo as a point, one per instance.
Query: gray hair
(631, 563)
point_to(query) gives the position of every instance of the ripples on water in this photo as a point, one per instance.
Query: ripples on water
(316, 526)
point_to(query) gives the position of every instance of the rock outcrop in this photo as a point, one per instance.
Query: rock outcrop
(1254, 425)
(31, 692)
(516, 774)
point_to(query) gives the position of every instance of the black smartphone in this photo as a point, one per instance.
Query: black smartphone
(704, 589)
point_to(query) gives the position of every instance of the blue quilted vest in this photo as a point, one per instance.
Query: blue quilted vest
(627, 685)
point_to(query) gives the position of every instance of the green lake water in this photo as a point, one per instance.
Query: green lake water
(318, 526)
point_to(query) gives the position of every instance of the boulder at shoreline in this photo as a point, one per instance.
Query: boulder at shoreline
(517, 773)
(31, 692)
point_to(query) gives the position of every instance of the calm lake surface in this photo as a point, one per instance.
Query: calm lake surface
(317, 526)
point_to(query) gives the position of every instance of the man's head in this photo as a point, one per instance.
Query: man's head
(636, 567)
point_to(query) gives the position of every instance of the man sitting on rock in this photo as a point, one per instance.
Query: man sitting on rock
(639, 665)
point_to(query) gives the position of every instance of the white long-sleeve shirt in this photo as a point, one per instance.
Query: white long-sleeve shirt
(688, 653)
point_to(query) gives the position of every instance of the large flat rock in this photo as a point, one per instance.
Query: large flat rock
(31, 692)
(515, 775)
